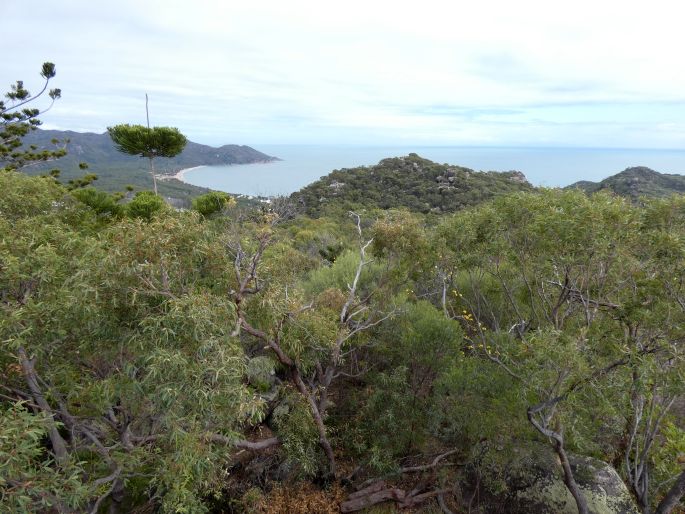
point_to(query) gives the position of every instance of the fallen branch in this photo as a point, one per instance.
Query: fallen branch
(375, 493)
(443, 505)
(425, 467)
(378, 493)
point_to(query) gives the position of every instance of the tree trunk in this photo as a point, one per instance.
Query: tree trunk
(673, 496)
(570, 482)
(558, 443)
(59, 446)
(318, 420)
(116, 497)
(152, 172)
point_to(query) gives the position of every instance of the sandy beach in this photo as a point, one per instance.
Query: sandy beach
(179, 175)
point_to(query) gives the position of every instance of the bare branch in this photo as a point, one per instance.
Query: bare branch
(432, 465)
(575, 294)
(244, 444)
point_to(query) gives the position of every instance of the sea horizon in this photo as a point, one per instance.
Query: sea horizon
(302, 164)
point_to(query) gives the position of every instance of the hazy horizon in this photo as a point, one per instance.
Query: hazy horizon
(496, 74)
(405, 145)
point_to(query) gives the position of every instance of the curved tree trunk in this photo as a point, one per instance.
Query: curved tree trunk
(673, 496)
(557, 440)
(570, 482)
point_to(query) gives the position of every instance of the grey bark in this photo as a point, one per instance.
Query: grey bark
(59, 446)
(673, 496)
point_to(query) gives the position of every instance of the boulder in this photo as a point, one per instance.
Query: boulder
(261, 373)
(534, 484)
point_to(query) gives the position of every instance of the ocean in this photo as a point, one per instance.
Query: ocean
(550, 167)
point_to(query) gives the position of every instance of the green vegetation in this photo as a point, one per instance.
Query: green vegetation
(18, 119)
(145, 350)
(145, 205)
(637, 182)
(411, 182)
(212, 203)
(148, 142)
(116, 170)
(523, 354)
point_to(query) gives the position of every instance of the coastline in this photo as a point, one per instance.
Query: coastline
(181, 173)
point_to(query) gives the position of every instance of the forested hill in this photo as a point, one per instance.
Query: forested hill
(636, 182)
(115, 169)
(412, 182)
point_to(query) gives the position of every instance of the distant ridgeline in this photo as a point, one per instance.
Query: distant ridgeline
(636, 182)
(115, 169)
(411, 182)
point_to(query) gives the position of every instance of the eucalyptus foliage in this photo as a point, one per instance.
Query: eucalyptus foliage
(178, 361)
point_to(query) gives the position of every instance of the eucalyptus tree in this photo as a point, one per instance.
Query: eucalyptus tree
(310, 327)
(567, 295)
(120, 381)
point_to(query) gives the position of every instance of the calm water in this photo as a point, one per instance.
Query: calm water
(303, 164)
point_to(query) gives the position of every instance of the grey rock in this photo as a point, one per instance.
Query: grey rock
(534, 484)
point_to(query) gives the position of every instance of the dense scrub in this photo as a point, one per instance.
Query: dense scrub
(409, 182)
(249, 361)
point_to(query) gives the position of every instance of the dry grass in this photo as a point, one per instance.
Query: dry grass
(301, 498)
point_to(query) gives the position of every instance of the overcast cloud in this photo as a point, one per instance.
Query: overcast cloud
(530, 73)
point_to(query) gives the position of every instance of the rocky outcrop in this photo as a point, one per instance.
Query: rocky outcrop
(637, 182)
(534, 484)
(409, 182)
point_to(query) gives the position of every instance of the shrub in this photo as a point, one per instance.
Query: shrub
(145, 205)
(213, 202)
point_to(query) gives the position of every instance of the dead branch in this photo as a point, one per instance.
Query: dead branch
(244, 444)
(575, 294)
(432, 465)
(379, 492)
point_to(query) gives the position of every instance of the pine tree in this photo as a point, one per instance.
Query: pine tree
(148, 142)
(17, 119)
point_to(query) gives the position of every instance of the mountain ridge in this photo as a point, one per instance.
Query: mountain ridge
(636, 181)
(115, 170)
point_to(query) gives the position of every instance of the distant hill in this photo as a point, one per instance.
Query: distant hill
(636, 182)
(115, 170)
(412, 182)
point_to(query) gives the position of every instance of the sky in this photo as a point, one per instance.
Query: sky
(478, 73)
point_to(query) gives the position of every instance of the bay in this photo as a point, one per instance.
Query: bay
(550, 167)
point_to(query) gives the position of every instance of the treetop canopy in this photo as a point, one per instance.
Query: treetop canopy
(147, 142)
